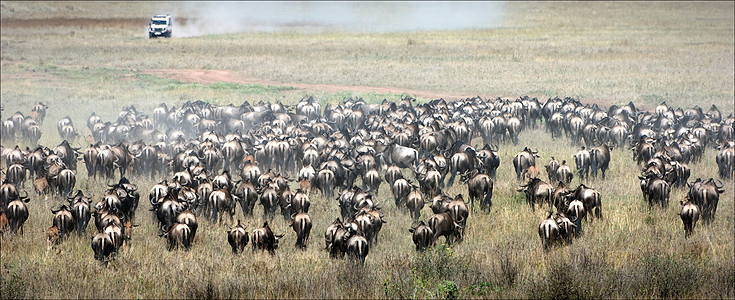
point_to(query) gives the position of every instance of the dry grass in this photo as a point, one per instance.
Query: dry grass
(632, 253)
(609, 53)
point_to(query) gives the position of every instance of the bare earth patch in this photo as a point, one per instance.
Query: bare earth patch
(24, 75)
(212, 76)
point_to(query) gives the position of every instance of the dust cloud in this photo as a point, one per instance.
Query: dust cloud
(205, 18)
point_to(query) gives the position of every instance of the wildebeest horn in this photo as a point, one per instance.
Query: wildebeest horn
(721, 184)
(25, 198)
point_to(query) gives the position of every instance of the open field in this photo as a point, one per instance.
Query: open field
(604, 53)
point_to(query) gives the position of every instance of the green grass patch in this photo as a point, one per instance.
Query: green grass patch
(228, 86)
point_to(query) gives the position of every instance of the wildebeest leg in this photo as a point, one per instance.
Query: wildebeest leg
(451, 178)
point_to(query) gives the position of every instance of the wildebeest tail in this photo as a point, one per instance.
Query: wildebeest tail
(705, 206)
(14, 223)
(215, 209)
(363, 251)
(489, 197)
(302, 231)
(327, 188)
(186, 238)
(81, 224)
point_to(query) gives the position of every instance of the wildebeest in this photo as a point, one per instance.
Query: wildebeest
(444, 225)
(115, 232)
(8, 192)
(300, 202)
(66, 181)
(17, 214)
(530, 173)
(576, 212)
(52, 235)
(221, 201)
(490, 160)
(726, 160)
(238, 238)
(589, 197)
(264, 239)
(403, 157)
(188, 218)
(643, 150)
(102, 246)
(63, 220)
(269, 200)
(36, 161)
(247, 195)
(392, 174)
(655, 190)
(689, 215)
(706, 194)
(372, 181)
(415, 202)
(301, 224)
(400, 188)
(564, 173)
(4, 224)
(358, 247)
(91, 160)
(422, 236)
(599, 159)
(548, 231)
(551, 169)
(126, 194)
(177, 236)
(168, 208)
(335, 239)
(523, 160)
(462, 161)
(582, 161)
(479, 186)
(558, 197)
(16, 174)
(537, 191)
(325, 181)
(566, 227)
(370, 221)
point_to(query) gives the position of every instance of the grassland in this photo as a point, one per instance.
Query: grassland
(607, 53)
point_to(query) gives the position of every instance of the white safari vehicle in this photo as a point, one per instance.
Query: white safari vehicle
(160, 26)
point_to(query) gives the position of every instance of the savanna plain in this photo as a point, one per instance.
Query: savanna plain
(78, 60)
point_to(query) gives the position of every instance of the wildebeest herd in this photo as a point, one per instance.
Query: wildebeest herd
(208, 159)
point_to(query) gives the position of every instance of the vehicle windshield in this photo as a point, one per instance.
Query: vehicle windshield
(158, 22)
